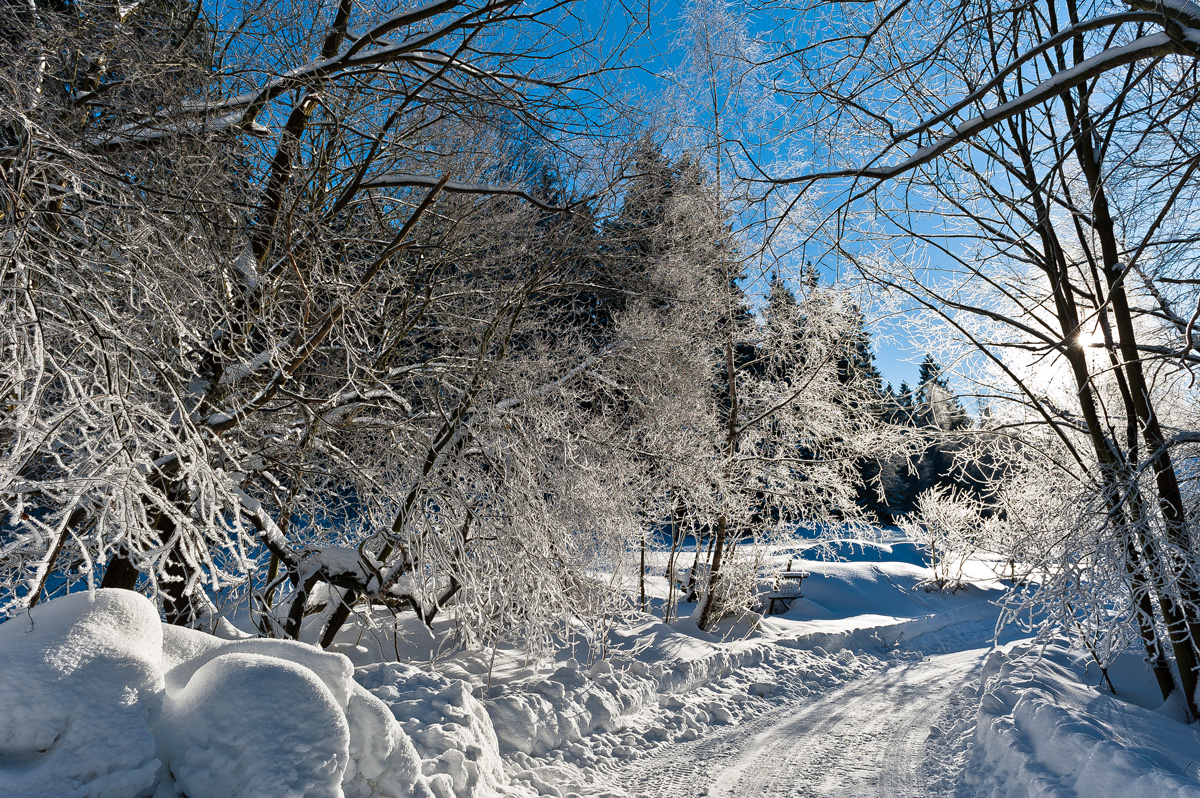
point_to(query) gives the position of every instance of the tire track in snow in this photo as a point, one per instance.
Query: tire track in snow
(867, 738)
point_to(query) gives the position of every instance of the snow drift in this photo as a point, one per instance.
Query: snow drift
(100, 699)
(449, 727)
(1042, 730)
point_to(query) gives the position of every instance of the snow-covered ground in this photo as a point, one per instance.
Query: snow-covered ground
(868, 685)
(1045, 727)
(867, 736)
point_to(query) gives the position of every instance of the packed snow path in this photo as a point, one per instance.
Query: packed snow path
(867, 739)
(881, 735)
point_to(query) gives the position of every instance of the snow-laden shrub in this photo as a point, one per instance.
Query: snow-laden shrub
(736, 592)
(954, 525)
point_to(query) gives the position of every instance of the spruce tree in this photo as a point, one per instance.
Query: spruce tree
(857, 365)
(931, 373)
(940, 408)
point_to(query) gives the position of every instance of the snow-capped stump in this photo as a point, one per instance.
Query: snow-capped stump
(379, 755)
(80, 687)
(186, 650)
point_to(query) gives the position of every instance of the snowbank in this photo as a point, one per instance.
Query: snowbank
(1043, 730)
(100, 699)
(572, 726)
(648, 667)
(107, 701)
(450, 728)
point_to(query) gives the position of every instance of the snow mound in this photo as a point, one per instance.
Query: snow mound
(80, 690)
(1041, 730)
(111, 702)
(224, 739)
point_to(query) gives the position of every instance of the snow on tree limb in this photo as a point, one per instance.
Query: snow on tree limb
(241, 111)
(1154, 45)
(401, 180)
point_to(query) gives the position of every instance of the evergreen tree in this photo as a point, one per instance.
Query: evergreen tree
(931, 373)
(628, 242)
(809, 276)
(939, 407)
(857, 368)
(858, 363)
(781, 307)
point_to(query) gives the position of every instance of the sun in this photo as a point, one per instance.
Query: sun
(1091, 339)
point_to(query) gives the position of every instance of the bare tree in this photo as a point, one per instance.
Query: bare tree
(276, 288)
(1042, 153)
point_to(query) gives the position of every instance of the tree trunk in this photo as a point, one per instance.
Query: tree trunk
(642, 574)
(731, 445)
(1056, 269)
(714, 574)
(1182, 625)
(120, 572)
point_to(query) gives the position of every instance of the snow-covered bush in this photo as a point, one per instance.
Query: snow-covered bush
(953, 526)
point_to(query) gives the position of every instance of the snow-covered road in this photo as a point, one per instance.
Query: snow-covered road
(882, 735)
